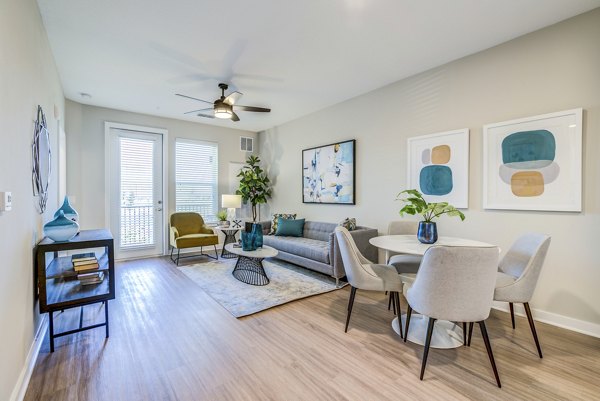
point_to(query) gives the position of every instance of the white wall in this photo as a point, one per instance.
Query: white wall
(86, 158)
(28, 77)
(557, 68)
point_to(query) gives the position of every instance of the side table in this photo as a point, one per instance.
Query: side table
(229, 234)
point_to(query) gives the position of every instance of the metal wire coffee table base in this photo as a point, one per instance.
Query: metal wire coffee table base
(250, 271)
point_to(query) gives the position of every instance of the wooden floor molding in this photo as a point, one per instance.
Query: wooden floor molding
(171, 341)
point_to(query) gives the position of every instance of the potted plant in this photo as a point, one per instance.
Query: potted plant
(254, 184)
(222, 216)
(416, 204)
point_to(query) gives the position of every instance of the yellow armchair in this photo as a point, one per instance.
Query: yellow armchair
(189, 231)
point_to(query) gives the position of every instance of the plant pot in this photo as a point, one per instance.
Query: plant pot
(427, 232)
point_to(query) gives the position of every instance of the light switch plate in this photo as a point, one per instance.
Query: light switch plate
(5, 201)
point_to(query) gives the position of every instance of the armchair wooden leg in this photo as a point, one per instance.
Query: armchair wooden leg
(350, 304)
(427, 344)
(488, 347)
(512, 314)
(408, 313)
(470, 334)
(532, 326)
(399, 311)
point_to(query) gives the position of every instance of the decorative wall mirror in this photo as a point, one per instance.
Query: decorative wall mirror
(41, 160)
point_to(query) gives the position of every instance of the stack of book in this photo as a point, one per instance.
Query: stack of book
(90, 278)
(84, 262)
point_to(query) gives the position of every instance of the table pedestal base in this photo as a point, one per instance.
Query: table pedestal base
(250, 271)
(445, 334)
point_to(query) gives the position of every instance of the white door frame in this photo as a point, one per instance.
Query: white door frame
(108, 125)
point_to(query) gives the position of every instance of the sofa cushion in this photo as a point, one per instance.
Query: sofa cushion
(318, 230)
(194, 240)
(276, 217)
(301, 246)
(289, 227)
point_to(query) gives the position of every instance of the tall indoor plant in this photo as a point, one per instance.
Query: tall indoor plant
(416, 204)
(254, 184)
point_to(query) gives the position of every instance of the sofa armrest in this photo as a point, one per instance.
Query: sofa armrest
(361, 237)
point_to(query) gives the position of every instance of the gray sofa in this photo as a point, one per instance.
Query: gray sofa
(317, 249)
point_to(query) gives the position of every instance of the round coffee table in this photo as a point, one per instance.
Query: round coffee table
(249, 268)
(229, 233)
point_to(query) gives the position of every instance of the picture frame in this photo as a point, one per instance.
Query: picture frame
(438, 166)
(329, 174)
(534, 163)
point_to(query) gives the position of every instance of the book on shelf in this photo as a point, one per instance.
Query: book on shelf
(83, 257)
(90, 278)
(89, 266)
(85, 262)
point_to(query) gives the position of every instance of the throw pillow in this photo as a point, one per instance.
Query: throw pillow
(276, 217)
(349, 223)
(290, 227)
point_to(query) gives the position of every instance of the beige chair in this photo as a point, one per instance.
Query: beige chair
(365, 275)
(455, 284)
(189, 231)
(518, 275)
(402, 262)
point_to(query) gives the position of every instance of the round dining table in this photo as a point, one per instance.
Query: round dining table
(445, 334)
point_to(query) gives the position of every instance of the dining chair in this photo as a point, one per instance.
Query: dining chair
(518, 275)
(455, 284)
(362, 274)
(403, 263)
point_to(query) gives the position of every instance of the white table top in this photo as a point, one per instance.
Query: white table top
(260, 253)
(409, 244)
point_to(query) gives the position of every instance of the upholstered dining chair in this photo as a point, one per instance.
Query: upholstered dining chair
(189, 231)
(455, 284)
(518, 275)
(362, 274)
(403, 263)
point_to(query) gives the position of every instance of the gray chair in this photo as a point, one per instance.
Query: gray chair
(365, 275)
(455, 284)
(402, 262)
(518, 275)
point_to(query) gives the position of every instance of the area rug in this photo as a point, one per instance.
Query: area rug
(288, 283)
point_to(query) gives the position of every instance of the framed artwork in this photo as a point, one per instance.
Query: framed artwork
(534, 163)
(438, 167)
(328, 174)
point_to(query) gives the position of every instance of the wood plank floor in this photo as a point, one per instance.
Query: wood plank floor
(171, 341)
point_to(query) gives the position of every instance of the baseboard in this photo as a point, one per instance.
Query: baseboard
(554, 319)
(21, 387)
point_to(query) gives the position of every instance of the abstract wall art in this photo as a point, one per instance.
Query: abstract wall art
(438, 166)
(328, 173)
(534, 163)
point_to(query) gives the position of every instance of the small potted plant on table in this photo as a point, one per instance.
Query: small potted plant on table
(416, 204)
(222, 216)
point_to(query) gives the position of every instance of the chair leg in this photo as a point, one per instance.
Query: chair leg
(389, 301)
(392, 300)
(488, 347)
(465, 333)
(216, 252)
(427, 344)
(533, 331)
(408, 314)
(470, 334)
(399, 314)
(512, 314)
(178, 251)
(350, 304)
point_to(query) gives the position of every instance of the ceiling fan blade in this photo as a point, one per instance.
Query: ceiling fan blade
(232, 98)
(205, 115)
(193, 98)
(196, 111)
(252, 108)
(234, 117)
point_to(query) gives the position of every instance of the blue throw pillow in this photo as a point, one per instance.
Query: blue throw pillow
(290, 227)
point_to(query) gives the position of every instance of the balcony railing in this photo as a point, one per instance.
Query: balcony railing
(137, 226)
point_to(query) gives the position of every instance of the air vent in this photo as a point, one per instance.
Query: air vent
(246, 144)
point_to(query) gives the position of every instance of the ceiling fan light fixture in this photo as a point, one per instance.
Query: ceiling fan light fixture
(223, 110)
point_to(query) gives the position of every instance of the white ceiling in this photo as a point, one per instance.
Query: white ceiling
(295, 56)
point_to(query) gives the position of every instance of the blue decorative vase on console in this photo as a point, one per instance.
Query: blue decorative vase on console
(61, 229)
(68, 211)
(258, 235)
(248, 243)
(427, 232)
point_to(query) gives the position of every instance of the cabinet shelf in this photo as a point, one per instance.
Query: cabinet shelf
(63, 290)
(63, 267)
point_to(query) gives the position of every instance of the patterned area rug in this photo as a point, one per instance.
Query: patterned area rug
(288, 283)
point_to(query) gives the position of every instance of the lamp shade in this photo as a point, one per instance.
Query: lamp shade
(231, 201)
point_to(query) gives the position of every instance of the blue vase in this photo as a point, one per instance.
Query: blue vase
(68, 211)
(61, 229)
(258, 235)
(427, 232)
(248, 241)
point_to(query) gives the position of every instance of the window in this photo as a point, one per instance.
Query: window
(196, 172)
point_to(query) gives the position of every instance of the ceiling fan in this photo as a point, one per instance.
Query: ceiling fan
(223, 107)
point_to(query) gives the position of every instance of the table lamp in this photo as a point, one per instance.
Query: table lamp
(231, 202)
